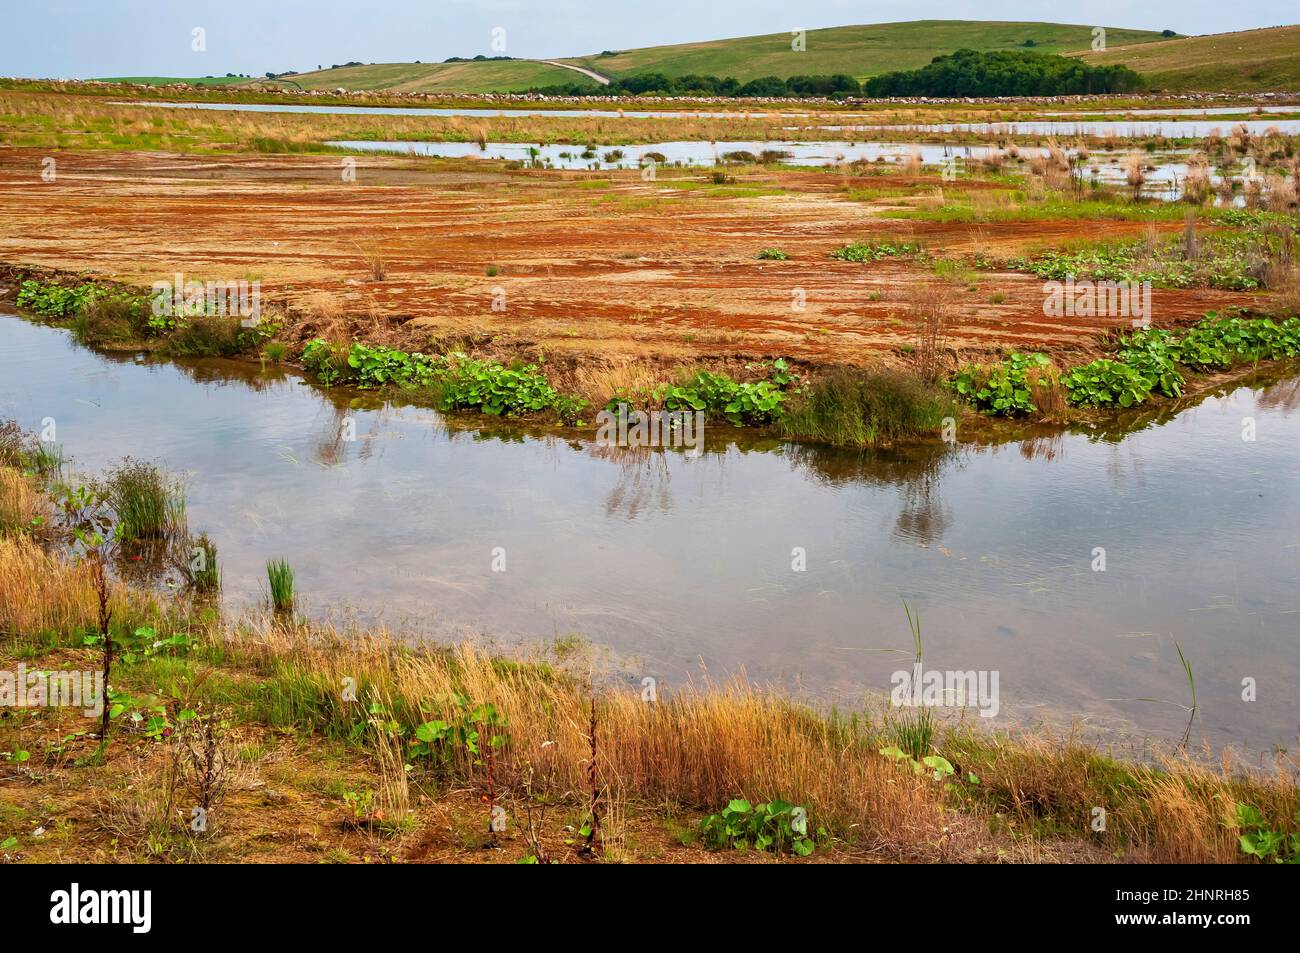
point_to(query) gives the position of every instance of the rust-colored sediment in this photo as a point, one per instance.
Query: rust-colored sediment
(635, 270)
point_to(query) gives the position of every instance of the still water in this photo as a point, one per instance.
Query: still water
(1163, 176)
(668, 562)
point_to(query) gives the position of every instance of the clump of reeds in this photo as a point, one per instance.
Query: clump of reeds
(111, 319)
(1196, 184)
(1050, 396)
(22, 451)
(376, 263)
(279, 577)
(148, 505)
(1282, 195)
(849, 407)
(45, 459)
(912, 162)
(199, 567)
(1191, 243)
(930, 311)
(13, 444)
(392, 795)
(209, 335)
(1134, 174)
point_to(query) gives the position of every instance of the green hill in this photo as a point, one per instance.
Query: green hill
(1253, 60)
(1232, 62)
(859, 51)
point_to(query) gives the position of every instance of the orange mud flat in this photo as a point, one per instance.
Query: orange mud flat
(587, 266)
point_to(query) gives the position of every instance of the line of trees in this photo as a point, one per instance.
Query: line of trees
(964, 73)
(657, 84)
(1003, 73)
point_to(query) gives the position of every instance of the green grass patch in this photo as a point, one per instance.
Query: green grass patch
(854, 409)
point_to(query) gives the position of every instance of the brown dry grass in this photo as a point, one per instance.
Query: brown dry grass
(20, 503)
(699, 749)
(41, 592)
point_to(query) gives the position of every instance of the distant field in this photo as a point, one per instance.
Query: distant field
(490, 76)
(1230, 62)
(168, 80)
(859, 51)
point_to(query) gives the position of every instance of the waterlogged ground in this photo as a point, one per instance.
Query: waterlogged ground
(1163, 175)
(669, 563)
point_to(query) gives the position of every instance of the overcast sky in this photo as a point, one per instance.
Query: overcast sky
(88, 38)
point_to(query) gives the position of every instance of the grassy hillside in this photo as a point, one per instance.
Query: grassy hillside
(484, 76)
(1230, 62)
(859, 51)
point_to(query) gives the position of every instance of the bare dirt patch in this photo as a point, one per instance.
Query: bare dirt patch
(588, 266)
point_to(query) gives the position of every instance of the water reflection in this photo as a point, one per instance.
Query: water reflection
(673, 560)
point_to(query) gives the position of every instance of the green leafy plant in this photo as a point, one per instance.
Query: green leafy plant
(1107, 382)
(322, 359)
(144, 642)
(378, 366)
(1229, 262)
(1258, 839)
(460, 381)
(467, 727)
(498, 390)
(361, 804)
(772, 254)
(1003, 389)
(1151, 353)
(777, 826)
(937, 766)
(53, 301)
(875, 250)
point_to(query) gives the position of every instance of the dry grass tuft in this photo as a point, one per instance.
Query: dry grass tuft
(43, 593)
(20, 504)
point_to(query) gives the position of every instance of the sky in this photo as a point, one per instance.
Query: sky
(91, 38)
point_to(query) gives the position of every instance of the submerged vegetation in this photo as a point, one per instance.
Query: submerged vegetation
(148, 505)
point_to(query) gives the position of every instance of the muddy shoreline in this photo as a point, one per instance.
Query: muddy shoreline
(974, 428)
